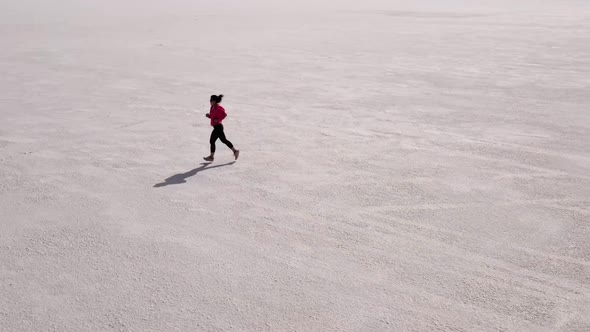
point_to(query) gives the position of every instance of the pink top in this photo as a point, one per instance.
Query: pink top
(217, 114)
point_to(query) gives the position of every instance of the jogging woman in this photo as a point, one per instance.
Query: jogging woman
(217, 114)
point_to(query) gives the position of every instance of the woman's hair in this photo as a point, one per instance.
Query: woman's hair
(216, 99)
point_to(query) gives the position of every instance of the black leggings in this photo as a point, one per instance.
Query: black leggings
(218, 133)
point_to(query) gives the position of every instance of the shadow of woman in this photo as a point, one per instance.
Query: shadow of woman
(181, 178)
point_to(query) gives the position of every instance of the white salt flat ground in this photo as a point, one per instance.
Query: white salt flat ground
(405, 167)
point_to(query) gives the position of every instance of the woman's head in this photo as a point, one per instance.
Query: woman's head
(215, 99)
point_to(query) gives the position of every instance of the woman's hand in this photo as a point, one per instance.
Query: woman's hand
(207, 115)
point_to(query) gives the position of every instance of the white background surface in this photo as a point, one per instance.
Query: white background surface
(418, 166)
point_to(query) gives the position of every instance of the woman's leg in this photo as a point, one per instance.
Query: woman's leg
(213, 138)
(225, 141)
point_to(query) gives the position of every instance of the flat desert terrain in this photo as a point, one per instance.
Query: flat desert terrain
(405, 166)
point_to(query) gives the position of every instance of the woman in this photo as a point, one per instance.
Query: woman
(217, 114)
